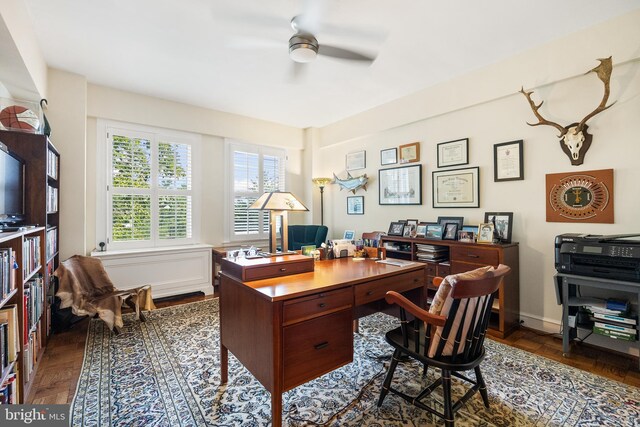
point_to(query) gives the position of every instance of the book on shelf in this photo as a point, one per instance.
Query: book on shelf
(9, 390)
(31, 255)
(4, 346)
(7, 279)
(625, 336)
(52, 164)
(613, 327)
(625, 320)
(52, 241)
(9, 314)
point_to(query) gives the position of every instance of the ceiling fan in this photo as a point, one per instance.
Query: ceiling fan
(304, 47)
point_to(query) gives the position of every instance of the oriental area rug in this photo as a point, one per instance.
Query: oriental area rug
(166, 372)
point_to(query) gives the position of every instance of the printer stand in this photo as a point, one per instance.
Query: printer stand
(568, 283)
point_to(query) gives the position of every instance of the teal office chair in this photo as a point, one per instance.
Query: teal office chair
(304, 235)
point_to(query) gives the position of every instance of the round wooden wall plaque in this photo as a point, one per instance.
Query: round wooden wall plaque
(580, 196)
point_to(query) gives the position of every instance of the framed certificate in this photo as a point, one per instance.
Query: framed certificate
(453, 153)
(456, 188)
(508, 161)
(410, 152)
(389, 156)
(400, 186)
(356, 160)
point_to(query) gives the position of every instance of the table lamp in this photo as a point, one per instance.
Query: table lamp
(321, 183)
(278, 203)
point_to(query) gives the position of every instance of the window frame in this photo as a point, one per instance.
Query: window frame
(231, 146)
(105, 190)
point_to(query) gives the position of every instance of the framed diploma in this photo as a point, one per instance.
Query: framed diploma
(453, 153)
(400, 186)
(508, 162)
(389, 156)
(356, 160)
(410, 152)
(456, 188)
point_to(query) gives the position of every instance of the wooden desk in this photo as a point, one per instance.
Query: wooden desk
(290, 330)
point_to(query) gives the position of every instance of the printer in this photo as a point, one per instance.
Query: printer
(613, 257)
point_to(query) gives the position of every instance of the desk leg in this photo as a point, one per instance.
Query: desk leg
(565, 317)
(276, 409)
(224, 364)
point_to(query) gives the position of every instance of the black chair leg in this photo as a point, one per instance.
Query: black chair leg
(387, 381)
(425, 368)
(446, 392)
(483, 387)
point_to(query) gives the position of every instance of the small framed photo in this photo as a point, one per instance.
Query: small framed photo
(471, 228)
(307, 250)
(508, 161)
(502, 223)
(453, 153)
(388, 156)
(355, 205)
(396, 229)
(450, 231)
(421, 229)
(413, 222)
(408, 230)
(466, 236)
(459, 220)
(485, 233)
(349, 235)
(434, 231)
(410, 152)
(356, 160)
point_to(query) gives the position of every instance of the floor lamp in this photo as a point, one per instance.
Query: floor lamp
(321, 183)
(278, 203)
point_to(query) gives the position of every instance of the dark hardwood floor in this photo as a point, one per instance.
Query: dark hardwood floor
(60, 366)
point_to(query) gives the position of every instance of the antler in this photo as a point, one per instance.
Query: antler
(541, 120)
(604, 73)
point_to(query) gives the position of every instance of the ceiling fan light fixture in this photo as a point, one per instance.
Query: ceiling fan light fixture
(303, 48)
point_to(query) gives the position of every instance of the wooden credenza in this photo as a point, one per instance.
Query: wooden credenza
(468, 256)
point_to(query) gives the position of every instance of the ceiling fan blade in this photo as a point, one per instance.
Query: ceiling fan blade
(298, 69)
(338, 52)
(313, 13)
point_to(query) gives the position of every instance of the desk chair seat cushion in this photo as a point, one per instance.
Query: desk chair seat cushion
(83, 285)
(442, 304)
(305, 235)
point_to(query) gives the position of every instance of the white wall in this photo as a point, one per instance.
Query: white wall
(500, 118)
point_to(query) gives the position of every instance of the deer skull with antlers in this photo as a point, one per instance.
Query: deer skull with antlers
(574, 138)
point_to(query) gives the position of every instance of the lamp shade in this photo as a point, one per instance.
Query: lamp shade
(278, 201)
(321, 182)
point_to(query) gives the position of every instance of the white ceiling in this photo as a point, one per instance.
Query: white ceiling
(233, 55)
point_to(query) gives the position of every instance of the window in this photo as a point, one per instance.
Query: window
(255, 170)
(150, 192)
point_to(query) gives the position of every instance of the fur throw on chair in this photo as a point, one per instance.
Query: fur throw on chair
(85, 287)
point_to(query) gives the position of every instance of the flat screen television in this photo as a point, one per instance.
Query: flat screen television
(11, 189)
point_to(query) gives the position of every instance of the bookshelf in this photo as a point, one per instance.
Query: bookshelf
(35, 253)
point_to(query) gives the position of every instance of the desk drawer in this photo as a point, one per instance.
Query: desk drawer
(276, 270)
(376, 290)
(315, 305)
(317, 346)
(475, 255)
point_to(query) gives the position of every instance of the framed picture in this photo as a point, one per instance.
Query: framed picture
(453, 153)
(389, 156)
(459, 220)
(466, 236)
(355, 205)
(434, 231)
(472, 228)
(421, 229)
(413, 222)
(508, 164)
(307, 250)
(485, 233)
(395, 229)
(410, 152)
(400, 186)
(502, 223)
(456, 188)
(349, 235)
(408, 230)
(356, 160)
(450, 231)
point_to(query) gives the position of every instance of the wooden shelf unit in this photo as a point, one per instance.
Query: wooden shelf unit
(42, 182)
(468, 256)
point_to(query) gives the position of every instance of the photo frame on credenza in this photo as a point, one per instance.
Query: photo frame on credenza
(503, 224)
(396, 228)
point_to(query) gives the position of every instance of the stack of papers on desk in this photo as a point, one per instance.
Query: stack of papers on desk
(396, 262)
